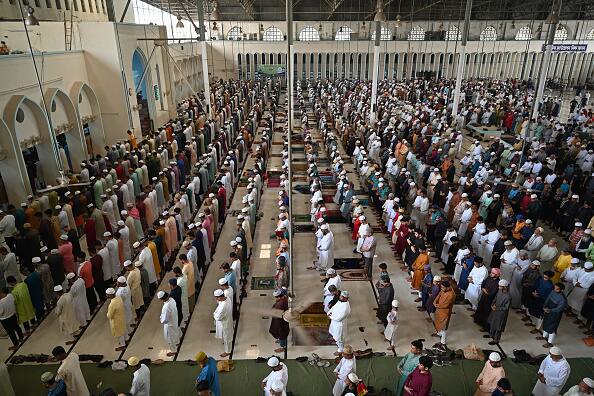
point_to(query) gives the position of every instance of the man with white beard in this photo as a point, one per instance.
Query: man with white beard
(339, 314)
(223, 317)
(333, 279)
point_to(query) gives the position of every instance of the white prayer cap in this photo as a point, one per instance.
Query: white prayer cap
(111, 291)
(165, 213)
(497, 196)
(70, 275)
(218, 293)
(64, 237)
(133, 361)
(464, 195)
(277, 292)
(107, 234)
(58, 288)
(395, 303)
(161, 222)
(54, 251)
(321, 220)
(353, 378)
(186, 243)
(588, 265)
(555, 351)
(575, 196)
(536, 262)
(124, 212)
(160, 294)
(238, 239)
(223, 281)
(578, 224)
(324, 227)
(136, 244)
(589, 382)
(344, 293)
(323, 209)
(121, 279)
(277, 386)
(528, 221)
(494, 357)
(587, 231)
(36, 260)
(121, 223)
(127, 263)
(43, 249)
(503, 283)
(575, 260)
(233, 243)
(273, 362)
(437, 278)
(411, 184)
(58, 207)
(507, 243)
(245, 210)
(362, 217)
(330, 271)
(67, 193)
(200, 215)
(211, 195)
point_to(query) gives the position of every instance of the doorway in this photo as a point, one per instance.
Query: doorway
(142, 93)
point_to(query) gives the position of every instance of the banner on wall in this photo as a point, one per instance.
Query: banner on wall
(271, 69)
(567, 47)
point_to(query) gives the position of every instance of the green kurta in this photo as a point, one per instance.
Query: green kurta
(22, 299)
(408, 363)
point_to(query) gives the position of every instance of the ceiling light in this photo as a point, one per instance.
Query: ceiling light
(379, 12)
(30, 18)
(214, 27)
(398, 24)
(180, 23)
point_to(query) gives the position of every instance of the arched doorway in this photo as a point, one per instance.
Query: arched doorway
(14, 181)
(142, 86)
(89, 115)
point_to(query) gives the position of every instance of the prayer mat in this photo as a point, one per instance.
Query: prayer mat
(347, 160)
(300, 167)
(318, 335)
(299, 178)
(323, 162)
(353, 275)
(298, 149)
(325, 173)
(364, 201)
(301, 188)
(347, 263)
(303, 228)
(377, 229)
(335, 219)
(262, 283)
(302, 218)
(277, 143)
(314, 308)
(274, 183)
(276, 155)
(359, 192)
(328, 198)
(298, 160)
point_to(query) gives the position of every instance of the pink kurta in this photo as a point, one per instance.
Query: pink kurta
(170, 233)
(65, 251)
(149, 210)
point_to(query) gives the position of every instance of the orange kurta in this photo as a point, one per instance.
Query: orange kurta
(444, 302)
(419, 273)
(151, 245)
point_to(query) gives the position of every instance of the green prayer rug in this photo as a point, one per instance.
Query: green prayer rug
(262, 283)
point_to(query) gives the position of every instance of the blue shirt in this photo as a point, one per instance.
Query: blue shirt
(58, 390)
(210, 374)
(230, 276)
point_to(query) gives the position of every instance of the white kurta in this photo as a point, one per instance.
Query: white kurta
(391, 327)
(182, 282)
(146, 258)
(338, 315)
(473, 292)
(555, 373)
(326, 251)
(79, 297)
(168, 319)
(223, 317)
(70, 372)
(114, 257)
(507, 267)
(281, 375)
(343, 369)
(125, 237)
(126, 295)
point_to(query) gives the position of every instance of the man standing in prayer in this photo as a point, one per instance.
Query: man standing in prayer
(475, 280)
(325, 249)
(79, 297)
(8, 318)
(208, 373)
(66, 314)
(419, 382)
(279, 327)
(552, 374)
(553, 308)
(70, 372)
(499, 311)
(368, 251)
(134, 282)
(444, 304)
(407, 364)
(182, 282)
(141, 382)
(346, 365)
(24, 307)
(339, 315)
(384, 299)
(223, 317)
(332, 278)
(116, 314)
(279, 373)
(168, 319)
(490, 375)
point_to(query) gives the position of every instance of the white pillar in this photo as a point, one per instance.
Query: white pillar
(376, 55)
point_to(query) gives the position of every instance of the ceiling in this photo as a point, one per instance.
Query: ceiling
(360, 10)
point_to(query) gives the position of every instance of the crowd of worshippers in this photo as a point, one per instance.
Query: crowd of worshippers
(135, 212)
(483, 215)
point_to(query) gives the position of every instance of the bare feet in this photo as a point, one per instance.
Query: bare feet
(224, 354)
(170, 354)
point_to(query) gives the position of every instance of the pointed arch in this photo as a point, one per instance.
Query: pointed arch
(28, 121)
(12, 166)
(343, 33)
(272, 33)
(561, 33)
(453, 33)
(64, 117)
(488, 34)
(524, 34)
(89, 114)
(417, 33)
(309, 33)
(385, 34)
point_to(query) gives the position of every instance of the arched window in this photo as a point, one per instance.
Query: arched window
(273, 34)
(343, 33)
(488, 34)
(453, 34)
(308, 33)
(416, 34)
(590, 35)
(385, 35)
(524, 34)
(235, 33)
(561, 33)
